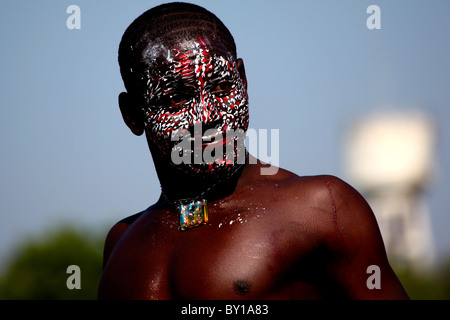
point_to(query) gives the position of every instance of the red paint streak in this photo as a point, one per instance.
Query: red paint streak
(182, 69)
(178, 113)
(185, 55)
(202, 42)
(209, 68)
(184, 65)
(185, 70)
(333, 206)
(164, 117)
(168, 130)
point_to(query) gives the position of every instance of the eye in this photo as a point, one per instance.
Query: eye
(222, 88)
(177, 100)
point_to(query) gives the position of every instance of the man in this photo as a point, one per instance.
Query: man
(221, 229)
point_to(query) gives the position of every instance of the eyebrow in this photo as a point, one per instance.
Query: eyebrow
(185, 78)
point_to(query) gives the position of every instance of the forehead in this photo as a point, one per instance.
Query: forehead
(160, 54)
(196, 66)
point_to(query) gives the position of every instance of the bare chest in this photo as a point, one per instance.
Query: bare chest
(245, 255)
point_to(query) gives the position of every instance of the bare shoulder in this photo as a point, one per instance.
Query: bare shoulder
(346, 227)
(327, 203)
(115, 234)
(350, 214)
(331, 197)
(344, 212)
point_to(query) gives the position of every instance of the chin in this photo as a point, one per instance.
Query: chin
(214, 170)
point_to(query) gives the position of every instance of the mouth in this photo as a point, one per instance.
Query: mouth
(216, 143)
(222, 148)
(213, 139)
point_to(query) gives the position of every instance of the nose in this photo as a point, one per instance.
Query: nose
(206, 112)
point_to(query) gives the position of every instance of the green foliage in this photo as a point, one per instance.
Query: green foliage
(432, 284)
(38, 268)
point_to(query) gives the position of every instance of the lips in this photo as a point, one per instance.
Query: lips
(216, 143)
(213, 140)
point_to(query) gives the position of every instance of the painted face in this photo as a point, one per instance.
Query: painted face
(191, 89)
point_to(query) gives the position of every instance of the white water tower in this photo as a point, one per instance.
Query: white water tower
(390, 159)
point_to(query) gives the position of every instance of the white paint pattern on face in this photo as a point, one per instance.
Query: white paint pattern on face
(194, 87)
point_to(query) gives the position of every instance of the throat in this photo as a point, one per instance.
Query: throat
(191, 182)
(191, 201)
(187, 188)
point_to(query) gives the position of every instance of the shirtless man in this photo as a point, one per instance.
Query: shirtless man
(276, 236)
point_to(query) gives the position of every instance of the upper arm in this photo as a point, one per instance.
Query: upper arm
(114, 235)
(355, 245)
(111, 239)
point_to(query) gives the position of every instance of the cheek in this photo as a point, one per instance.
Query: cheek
(161, 124)
(234, 109)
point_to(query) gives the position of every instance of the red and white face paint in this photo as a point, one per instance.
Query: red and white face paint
(190, 88)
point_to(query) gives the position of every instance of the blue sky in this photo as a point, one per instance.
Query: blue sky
(313, 67)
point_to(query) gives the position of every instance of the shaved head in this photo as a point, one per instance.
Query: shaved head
(167, 26)
(179, 66)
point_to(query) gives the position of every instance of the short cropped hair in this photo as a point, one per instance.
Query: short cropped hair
(168, 24)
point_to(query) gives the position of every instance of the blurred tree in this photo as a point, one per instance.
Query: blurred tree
(444, 278)
(432, 284)
(38, 269)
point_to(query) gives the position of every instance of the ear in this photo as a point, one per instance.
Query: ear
(241, 70)
(131, 113)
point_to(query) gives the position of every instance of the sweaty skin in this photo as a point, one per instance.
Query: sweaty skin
(274, 237)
